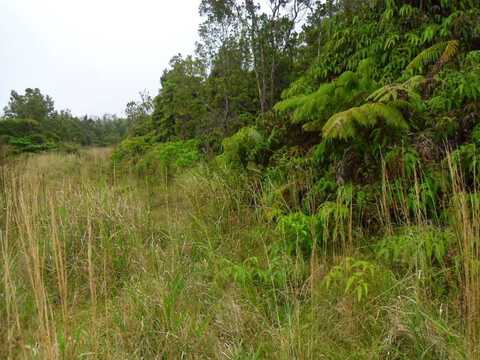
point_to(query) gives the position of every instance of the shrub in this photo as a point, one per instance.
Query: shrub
(299, 232)
(69, 148)
(166, 158)
(416, 248)
(244, 147)
(131, 149)
(29, 144)
(354, 276)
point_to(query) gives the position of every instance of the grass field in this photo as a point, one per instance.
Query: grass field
(97, 263)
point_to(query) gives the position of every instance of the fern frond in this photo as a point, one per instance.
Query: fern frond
(441, 53)
(398, 93)
(451, 50)
(414, 83)
(315, 104)
(347, 80)
(289, 104)
(387, 93)
(344, 125)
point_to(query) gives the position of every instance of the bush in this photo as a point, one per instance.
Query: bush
(29, 144)
(246, 146)
(166, 158)
(299, 231)
(131, 149)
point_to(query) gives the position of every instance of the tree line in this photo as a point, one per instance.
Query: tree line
(31, 123)
(253, 57)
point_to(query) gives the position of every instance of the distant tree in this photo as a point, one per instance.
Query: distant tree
(32, 105)
(139, 114)
(32, 124)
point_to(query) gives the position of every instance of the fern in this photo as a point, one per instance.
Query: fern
(306, 107)
(440, 54)
(400, 95)
(391, 41)
(414, 39)
(414, 83)
(429, 33)
(330, 98)
(407, 11)
(344, 125)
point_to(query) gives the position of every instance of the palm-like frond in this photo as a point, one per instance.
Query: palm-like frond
(440, 53)
(414, 83)
(451, 50)
(305, 107)
(344, 125)
(289, 104)
(402, 95)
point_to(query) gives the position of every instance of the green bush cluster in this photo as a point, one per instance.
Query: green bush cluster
(145, 157)
(131, 149)
(169, 157)
(244, 147)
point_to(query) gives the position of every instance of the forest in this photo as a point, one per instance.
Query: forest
(303, 186)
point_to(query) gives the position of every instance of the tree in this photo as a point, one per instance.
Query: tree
(32, 105)
(180, 105)
(139, 114)
(230, 84)
(273, 42)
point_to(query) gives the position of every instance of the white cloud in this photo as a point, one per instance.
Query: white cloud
(92, 56)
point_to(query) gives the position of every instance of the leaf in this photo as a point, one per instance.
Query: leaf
(350, 282)
(359, 294)
(343, 125)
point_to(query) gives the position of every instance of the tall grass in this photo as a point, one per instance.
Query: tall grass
(466, 218)
(97, 264)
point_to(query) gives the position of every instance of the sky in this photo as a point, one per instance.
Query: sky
(92, 56)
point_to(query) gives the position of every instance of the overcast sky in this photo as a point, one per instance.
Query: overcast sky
(92, 56)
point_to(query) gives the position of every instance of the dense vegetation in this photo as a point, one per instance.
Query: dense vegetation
(31, 124)
(303, 186)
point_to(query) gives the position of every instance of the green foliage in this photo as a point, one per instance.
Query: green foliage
(167, 158)
(402, 162)
(32, 124)
(335, 120)
(19, 127)
(244, 147)
(313, 109)
(345, 125)
(440, 53)
(456, 87)
(25, 136)
(323, 189)
(131, 149)
(355, 276)
(416, 248)
(326, 229)
(466, 157)
(32, 105)
(402, 96)
(251, 273)
(299, 232)
(30, 144)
